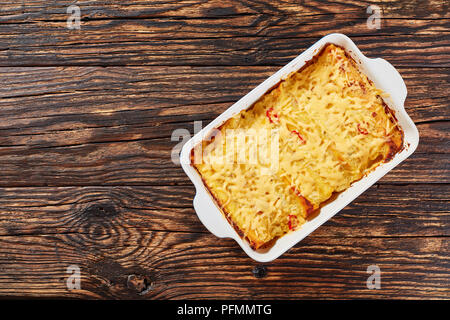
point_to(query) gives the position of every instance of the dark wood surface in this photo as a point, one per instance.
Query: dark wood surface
(86, 118)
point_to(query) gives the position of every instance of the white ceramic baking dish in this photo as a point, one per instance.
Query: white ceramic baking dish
(384, 76)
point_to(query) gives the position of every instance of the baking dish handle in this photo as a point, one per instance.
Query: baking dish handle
(392, 81)
(210, 215)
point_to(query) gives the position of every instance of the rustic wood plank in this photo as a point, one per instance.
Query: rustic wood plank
(188, 265)
(65, 49)
(117, 95)
(292, 26)
(382, 211)
(38, 10)
(207, 33)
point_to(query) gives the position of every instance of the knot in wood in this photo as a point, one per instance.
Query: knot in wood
(100, 210)
(259, 271)
(139, 283)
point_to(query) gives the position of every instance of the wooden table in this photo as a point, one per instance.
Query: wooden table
(86, 118)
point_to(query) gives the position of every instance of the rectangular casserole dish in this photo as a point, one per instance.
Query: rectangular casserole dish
(380, 72)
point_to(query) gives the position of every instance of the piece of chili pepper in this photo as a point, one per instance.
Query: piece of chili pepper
(297, 193)
(362, 130)
(273, 117)
(306, 203)
(292, 222)
(302, 140)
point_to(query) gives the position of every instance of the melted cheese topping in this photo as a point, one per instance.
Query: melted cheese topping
(318, 131)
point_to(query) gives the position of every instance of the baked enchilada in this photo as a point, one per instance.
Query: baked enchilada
(270, 167)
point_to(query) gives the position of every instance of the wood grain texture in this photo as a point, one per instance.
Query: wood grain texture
(176, 93)
(44, 210)
(85, 47)
(38, 10)
(195, 265)
(209, 33)
(86, 124)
